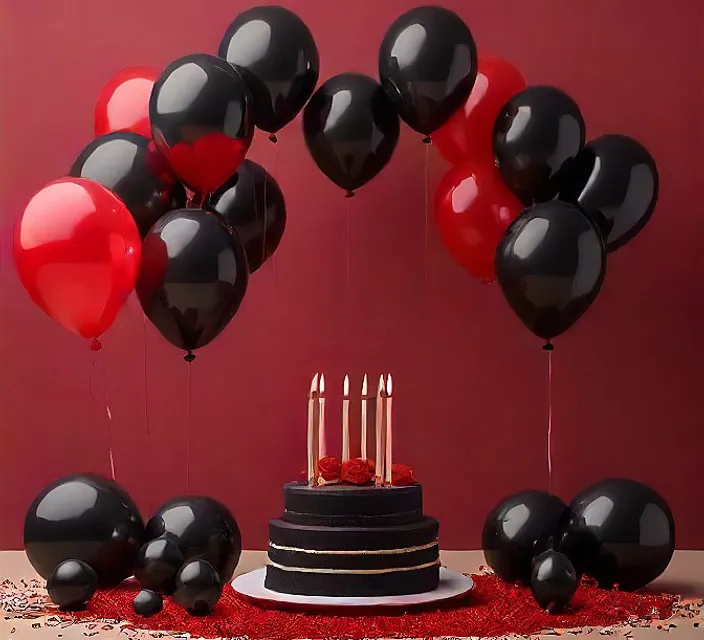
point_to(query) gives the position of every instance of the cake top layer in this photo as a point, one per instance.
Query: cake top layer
(349, 500)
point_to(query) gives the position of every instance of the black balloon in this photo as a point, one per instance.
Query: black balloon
(203, 528)
(201, 116)
(351, 129)
(550, 265)
(517, 529)
(276, 54)
(193, 277)
(553, 581)
(615, 181)
(536, 137)
(251, 202)
(620, 532)
(428, 65)
(130, 166)
(84, 517)
(198, 587)
(72, 584)
(157, 564)
(147, 603)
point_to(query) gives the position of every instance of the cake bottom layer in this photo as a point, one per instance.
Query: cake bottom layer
(340, 584)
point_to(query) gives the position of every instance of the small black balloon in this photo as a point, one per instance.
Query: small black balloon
(131, 167)
(84, 517)
(72, 584)
(427, 66)
(351, 129)
(553, 581)
(147, 603)
(536, 138)
(620, 532)
(157, 564)
(550, 265)
(276, 54)
(203, 528)
(615, 181)
(193, 277)
(198, 587)
(251, 202)
(517, 529)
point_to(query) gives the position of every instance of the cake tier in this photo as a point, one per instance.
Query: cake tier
(349, 506)
(353, 561)
(395, 583)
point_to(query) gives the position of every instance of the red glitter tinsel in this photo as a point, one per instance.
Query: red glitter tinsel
(494, 608)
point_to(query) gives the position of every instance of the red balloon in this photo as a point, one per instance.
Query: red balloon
(468, 135)
(123, 105)
(77, 251)
(473, 209)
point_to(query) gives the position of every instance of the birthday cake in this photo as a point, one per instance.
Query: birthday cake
(355, 527)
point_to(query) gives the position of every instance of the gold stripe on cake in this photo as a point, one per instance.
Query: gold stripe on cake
(427, 565)
(361, 552)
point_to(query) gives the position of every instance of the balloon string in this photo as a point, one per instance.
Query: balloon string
(274, 263)
(146, 384)
(348, 299)
(105, 405)
(188, 431)
(549, 435)
(427, 231)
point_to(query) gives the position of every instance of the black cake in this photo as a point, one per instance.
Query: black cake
(341, 540)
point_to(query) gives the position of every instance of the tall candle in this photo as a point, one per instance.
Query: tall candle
(388, 462)
(312, 444)
(322, 443)
(363, 452)
(379, 431)
(346, 420)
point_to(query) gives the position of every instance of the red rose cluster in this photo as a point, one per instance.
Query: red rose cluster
(360, 472)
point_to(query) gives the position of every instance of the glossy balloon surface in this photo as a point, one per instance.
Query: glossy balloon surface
(157, 564)
(469, 134)
(519, 528)
(123, 105)
(553, 581)
(275, 53)
(198, 587)
(72, 584)
(203, 529)
(550, 265)
(77, 251)
(147, 603)
(620, 532)
(201, 120)
(193, 278)
(88, 518)
(351, 129)
(473, 209)
(615, 181)
(252, 203)
(537, 134)
(427, 65)
(131, 167)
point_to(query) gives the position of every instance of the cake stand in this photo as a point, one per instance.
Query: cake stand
(251, 586)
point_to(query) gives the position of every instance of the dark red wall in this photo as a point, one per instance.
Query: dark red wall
(471, 402)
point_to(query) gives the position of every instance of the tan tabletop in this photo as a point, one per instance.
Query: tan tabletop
(684, 576)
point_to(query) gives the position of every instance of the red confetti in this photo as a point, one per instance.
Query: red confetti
(494, 608)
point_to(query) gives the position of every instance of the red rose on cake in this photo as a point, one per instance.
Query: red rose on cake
(329, 468)
(356, 471)
(401, 475)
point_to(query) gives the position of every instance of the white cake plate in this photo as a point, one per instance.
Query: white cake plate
(251, 586)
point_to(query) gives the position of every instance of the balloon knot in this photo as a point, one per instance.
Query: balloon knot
(273, 138)
(427, 140)
(96, 345)
(548, 346)
(349, 194)
(189, 357)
